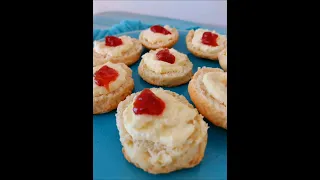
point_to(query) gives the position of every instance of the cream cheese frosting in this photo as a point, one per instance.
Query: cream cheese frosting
(152, 62)
(101, 48)
(153, 37)
(197, 43)
(223, 59)
(171, 128)
(216, 85)
(121, 79)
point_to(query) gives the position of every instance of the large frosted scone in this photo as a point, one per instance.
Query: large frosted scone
(205, 44)
(123, 49)
(208, 91)
(160, 131)
(159, 37)
(112, 83)
(165, 67)
(223, 59)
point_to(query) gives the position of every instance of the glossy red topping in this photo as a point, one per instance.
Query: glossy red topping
(113, 41)
(148, 103)
(105, 75)
(210, 39)
(159, 29)
(166, 56)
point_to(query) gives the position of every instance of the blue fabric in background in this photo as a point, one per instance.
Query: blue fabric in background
(125, 26)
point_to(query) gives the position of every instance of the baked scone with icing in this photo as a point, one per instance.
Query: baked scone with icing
(208, 92)
(165, 67)
(112, 83)
(160, 131)
(205, 44)
(223, 59)
(123, 49)
(159, 37)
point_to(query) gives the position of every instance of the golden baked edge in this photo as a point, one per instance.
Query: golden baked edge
(153, 170)
(214, 115)
(167, 79)
(195, 161)
(197, 52)
(128, 59)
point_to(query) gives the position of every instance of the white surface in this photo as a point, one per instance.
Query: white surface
(208, 12)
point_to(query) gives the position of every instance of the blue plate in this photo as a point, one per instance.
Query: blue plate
(108, 160)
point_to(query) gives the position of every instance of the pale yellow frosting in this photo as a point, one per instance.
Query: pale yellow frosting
(196, 41)
(153, 37)
(216, 85)
(223, 59)
(98, 90)
(171, 128)
(152, 62)
(101, 48)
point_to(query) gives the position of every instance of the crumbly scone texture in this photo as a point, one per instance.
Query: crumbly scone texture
(169, 79)
(205, 103)
(108, 102)
(196, 52)
(155, 46)
(128, 58)
(193, 152)
(223, 59)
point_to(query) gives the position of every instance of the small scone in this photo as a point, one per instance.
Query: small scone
(208, 91)
(160, 131)
(123, 49)
(223, 59)
(165, 67)
(112, 83)
(159, 37)
(205, 44)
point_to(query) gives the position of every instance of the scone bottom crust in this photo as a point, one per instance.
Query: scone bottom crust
(174, 69)
(193, 149)
(208, 39)
(208, 106)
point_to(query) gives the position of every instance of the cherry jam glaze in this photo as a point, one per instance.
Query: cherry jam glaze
(159, 29)
(166, 56)
(148, 103)
(210, 39)
(105, 75)
(113, 41)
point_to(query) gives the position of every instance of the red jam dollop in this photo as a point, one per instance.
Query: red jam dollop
(148, 103)
(113, 41)
(159, 29)
(209, 38)
(105, 75)
(166, 56)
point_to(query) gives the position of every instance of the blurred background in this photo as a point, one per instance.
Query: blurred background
(213, 12)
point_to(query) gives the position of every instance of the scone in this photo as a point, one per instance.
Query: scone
(208, 91)
(223, 59)
(205, 44)
(160, 131)
(165, 67)
(123, 49)
(112, 83)
(159, 37)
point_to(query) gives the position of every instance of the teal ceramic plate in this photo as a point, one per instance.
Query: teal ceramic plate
(108, 160)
